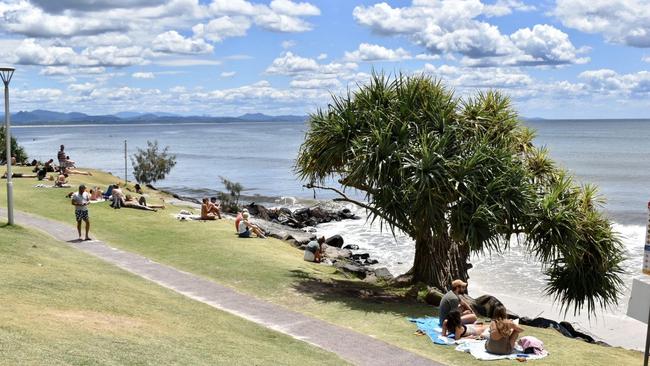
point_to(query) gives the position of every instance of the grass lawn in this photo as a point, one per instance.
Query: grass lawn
(63, 307)
(272, 270)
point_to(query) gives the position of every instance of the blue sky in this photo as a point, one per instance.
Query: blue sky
(556, 59)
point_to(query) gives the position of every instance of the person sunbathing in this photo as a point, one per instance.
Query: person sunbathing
(96, 194)
(74, 171)
(143, 202)
(131, 202)
(19, 175)
(503, 333)
(117, 197)
(215, 209)
(246, 227)
(453, 324)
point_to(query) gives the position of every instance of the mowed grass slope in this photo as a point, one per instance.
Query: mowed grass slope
(60, 306)
(272, 270)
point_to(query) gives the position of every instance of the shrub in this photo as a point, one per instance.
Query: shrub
(152, 165)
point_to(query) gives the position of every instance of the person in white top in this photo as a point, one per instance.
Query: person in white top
(80, 201)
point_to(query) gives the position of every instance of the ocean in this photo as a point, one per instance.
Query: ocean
(613, 154)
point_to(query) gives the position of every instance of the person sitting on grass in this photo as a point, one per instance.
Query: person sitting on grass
(207, 212)
(138, 189)
(503, 333)
(131, 202)
(96, 194)
(314, 251)
(62, 181)
(117, 197)
(451, 301)
(453, 324)
(245, 228)
(215, 209)
(49, 167)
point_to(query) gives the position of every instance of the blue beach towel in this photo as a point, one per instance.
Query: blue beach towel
(431, 328)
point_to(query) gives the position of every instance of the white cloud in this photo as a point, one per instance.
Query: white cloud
(187, 62)
(228, 74)
(505, 7)
(32, 53)
(321, 56)
(60, 6)
(289, 64)
(113, 56)
(373, 52)
(606, 81)
(645, 59)
(316, 84)
(223, 27)
(291, 8)
(82, 88)
(456, 27)
(143, 75)
(621, 21)
(172, 42)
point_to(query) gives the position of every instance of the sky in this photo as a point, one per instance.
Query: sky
(555, 59)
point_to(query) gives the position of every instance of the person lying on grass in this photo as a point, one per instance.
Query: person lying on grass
(503, 333)
(74, 171)
(453, 324)
(245, 228)
(131, 202)
(313, 250)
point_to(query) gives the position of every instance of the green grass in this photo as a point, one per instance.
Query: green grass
(274, 271)
(63, 307)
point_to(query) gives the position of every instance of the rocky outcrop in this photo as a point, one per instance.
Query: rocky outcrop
(301, 218)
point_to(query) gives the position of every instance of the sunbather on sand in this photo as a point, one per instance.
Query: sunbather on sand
(453, 324)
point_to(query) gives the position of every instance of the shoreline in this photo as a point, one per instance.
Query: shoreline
(614, 329)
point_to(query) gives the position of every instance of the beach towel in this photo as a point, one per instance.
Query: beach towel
(431, 328)
(477, 349)
(187, 216)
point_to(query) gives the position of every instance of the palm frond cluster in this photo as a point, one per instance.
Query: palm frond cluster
(437, 166)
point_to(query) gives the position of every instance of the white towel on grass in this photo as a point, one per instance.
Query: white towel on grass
(477, 349)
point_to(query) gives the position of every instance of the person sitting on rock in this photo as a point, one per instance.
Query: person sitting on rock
(451, 301)
(245, 228)
(313, 250)
(453, 324)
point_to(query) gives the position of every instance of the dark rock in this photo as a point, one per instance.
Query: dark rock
(318, 213)
(358, 271)
(360, 256)
(484, 305)
(433, 296)
(335, 253)
(258, 211)
(335, 241)
(370, 262)
(383, 273)
(351, 247)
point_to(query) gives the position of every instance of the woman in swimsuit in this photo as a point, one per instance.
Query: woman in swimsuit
(503, 333)
(453, 324)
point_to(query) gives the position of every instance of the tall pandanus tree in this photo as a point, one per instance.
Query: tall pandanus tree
(461, 177)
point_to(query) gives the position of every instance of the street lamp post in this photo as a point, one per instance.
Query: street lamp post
(6, 73)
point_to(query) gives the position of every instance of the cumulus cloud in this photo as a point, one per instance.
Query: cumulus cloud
(278, 16)
(228, 74)
(608, 81)
(32, 53)
(316, 84)
(143, 75)
(321, 56)
(290, 64)
(373, 52)
(455, 27)
(223, 27)
(173, 42)
(294, 9)
(622, 21)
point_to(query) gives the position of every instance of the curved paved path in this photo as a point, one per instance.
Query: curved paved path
(354, 347)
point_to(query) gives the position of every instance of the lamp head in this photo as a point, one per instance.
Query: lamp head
(6, 73)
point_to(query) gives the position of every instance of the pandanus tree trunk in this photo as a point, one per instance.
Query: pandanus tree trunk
(439, 260)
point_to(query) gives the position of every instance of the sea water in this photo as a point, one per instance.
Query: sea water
(614, 154)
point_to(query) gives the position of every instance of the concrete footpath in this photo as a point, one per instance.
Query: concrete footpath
(354, 347)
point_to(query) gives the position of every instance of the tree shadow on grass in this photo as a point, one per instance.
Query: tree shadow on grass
(359, 296)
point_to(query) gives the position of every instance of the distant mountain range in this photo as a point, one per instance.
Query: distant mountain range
(39, 116)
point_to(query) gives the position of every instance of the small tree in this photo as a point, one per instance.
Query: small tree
(230, 199)
(16, 150)
(152, 165)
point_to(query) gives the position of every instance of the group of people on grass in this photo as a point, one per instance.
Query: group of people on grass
(458, 318)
